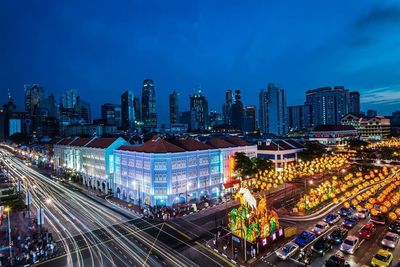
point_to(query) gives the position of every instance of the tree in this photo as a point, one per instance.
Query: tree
(261, 164)
(243, 164)
(312, 150)
(20, 138)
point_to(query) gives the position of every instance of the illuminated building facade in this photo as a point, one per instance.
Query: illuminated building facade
(92, 158)
(167, 172)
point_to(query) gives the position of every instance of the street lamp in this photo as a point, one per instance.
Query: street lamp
(48, 201)
(7, 209)
(187, 187)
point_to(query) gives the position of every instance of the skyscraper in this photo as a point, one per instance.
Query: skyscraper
(354, 106)
(227, 108)
(173, 107)
(237, 112)
(272, 110)
(198, 112)
(249, 119)
(138, 110)
(128, 111)
(108, 113)
(297, 118)
(327, 105)
(73, 110)
(33, 97)
(149, 114)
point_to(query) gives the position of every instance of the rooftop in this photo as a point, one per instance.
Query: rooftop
(333, 128)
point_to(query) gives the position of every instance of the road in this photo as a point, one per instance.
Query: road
(90, 233)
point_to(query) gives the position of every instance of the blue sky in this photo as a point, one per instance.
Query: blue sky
(102, 48)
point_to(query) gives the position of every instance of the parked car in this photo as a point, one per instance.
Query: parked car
(350, 244)
(345, 212)
(338, 235)
(382, 258)
(367, 230)
(332, 218)
(322, 246)
(390, 240)
(362, 214)
(304, 238)
(395, 226)
(379, 219)
(287, 250)
(320, 228)
(350, 222)
(337, 260)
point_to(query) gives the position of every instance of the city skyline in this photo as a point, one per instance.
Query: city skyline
(375, 79)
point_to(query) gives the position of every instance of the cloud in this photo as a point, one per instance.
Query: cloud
(379, 16)
(383, 95)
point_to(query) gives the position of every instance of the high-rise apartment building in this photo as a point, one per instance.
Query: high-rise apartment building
(198, 112)
(327, 105)
(272, 110)
(33, 97)
(174, 107)
(297, 117)
(128, 111)
(149, 114)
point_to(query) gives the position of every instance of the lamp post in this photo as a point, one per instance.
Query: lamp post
(187, 187)
(7, 209)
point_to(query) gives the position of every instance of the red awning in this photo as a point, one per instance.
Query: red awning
(231, 183)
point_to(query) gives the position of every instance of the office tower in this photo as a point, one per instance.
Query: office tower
(48, 106)
(185, 117)
(354, 106)
(128, 111)
(272, 110)
(199, 112)
(73, 110)
(149, 115)
(327, 105)
(33, 97)
(6, 114)
(138, 109)
(372, 113)
(173, 107)
(227, 108)
(215, 118)
(249, 119)
(108, 113)
(297, 117)
(118, 116)
(237, 111)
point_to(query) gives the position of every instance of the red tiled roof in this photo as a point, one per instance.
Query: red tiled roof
(283, 146)
(81, 141)
(294, 143)
(66, 141)
(219, 143)
(154, 146)
(102, 142)
(190, 144)
(237, 141)
(264, 146)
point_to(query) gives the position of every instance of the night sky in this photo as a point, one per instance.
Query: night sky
(102, 48)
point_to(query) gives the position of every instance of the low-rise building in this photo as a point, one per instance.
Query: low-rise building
(369, 128)
(92, 158)
(333, 135)
(279, 151)
(167, 172)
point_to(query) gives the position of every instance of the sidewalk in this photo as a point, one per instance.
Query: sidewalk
(30, 243)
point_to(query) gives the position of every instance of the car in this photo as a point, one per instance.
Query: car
(350, 244)
(379, 219)
(338, 235)
(344, 212)
(390, 240)
(362, 214)
(394, 226)
(304, 238)
(320, 228)
(332, 218)
(367, 231)
(322, 246)
(350, 222)
(287, 250)
(337, 260)
(382, 258)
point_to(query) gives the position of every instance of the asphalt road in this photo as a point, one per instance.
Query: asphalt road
(93, 234)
